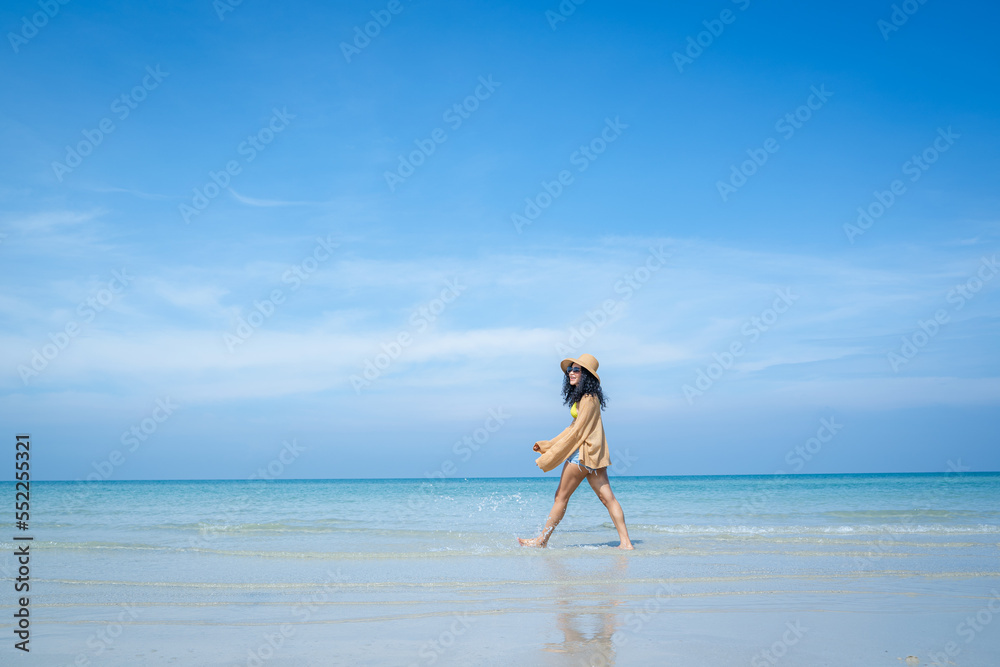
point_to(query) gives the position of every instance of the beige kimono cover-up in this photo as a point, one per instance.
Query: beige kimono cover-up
(586, 433)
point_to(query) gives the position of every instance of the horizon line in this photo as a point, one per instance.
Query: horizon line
(461, 479)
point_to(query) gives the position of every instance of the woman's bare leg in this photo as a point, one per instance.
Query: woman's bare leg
(572, 475)
(602, 487)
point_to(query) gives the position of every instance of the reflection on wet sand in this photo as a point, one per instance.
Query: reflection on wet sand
(588, 613)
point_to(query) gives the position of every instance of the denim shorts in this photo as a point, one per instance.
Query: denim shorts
(576, 460)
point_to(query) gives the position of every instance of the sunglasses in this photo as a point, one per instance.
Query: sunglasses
(574, 369)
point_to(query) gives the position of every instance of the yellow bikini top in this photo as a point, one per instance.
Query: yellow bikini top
(572, 410)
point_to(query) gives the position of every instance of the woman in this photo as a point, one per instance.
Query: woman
(585, 436)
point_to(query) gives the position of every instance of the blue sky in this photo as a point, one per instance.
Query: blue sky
(172, 170)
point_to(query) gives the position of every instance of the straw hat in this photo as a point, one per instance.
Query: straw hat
(586, 360)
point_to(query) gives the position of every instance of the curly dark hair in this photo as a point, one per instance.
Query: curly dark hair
(587, 384)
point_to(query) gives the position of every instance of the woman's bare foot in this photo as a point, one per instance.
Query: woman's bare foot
(533, 542)
(626, 545)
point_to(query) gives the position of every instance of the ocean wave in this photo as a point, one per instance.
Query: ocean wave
(854, 529)
(910, 514)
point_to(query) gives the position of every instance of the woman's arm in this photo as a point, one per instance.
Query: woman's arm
(559, 448)
(544, 445)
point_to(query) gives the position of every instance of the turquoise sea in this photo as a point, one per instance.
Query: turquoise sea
(754, 570)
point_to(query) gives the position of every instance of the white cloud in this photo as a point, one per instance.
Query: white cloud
(195, 297)
(515, 310)
(250, 201)
(50, 221)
